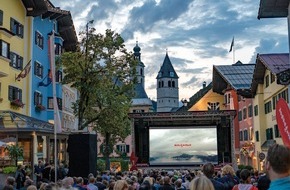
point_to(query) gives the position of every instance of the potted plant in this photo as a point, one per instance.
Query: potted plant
(39, 107)
(14, 152)
(17, 103)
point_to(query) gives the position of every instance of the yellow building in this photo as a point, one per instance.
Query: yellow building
(267, 91)
(208, 100)
(15, 29)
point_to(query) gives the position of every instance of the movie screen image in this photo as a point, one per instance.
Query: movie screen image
(183, 146)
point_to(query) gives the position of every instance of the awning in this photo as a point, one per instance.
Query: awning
(267, 144)
(13, 121)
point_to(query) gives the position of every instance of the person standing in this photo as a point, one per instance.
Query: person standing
(245, 181)
(278, 167)
(208, 171)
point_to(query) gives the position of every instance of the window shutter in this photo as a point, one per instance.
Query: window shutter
(21, 30)
(118, 147)
(127, 148)
(1, 17)
(11, 59)
(11, 25)
(10, 93)
(36, 37)
(21, 63)
(35, 98)
(40, 99)
(102, 148)
(35, 68)
(20, 95)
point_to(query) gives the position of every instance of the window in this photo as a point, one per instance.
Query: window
(283, 94)
(50, 103)
(58, 51)
(171, 74)
(162, 84)
(272, 78)
(37, 98)
(246, 137)
(38, 69)
(16, 27)
(169, 83)
(267, 81)
(240, 115)
(58, 76)
(14, 93)
(241, 135)
(268, 107)
(256, 112)
(269, 133)
(276, 130)
(229, 98)
(5, 49)
(124, 148)
(250, 111)
(1, 17)
(257, 136)
(159, 84)
(138, 111)
(245, 113)
(213, 106)
(16, 61)
(39, 40)
(173, 84)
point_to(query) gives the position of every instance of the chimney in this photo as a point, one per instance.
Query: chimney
(204, 84)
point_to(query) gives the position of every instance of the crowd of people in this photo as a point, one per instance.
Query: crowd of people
(277, 176)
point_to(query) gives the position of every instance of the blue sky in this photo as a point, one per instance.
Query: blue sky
(196, 33)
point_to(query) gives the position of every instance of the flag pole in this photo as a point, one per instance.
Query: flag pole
(55, 105)
(234, 54)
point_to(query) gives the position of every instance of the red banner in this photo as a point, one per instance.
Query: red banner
(283, 121)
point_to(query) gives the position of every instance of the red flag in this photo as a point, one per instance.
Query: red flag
(24, 72)
(283, 120)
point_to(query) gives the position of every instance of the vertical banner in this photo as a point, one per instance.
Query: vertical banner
(283, 120)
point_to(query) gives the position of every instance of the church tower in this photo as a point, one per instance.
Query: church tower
(140, 101)
(167, 87)
(140, 66)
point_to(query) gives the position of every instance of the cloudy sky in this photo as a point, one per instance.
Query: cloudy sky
(196, 33)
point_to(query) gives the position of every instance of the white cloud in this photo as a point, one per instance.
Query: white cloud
(196, 33)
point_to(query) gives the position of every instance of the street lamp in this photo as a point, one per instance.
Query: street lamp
(184, 102)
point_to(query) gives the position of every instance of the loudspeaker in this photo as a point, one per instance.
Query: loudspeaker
(82, 149)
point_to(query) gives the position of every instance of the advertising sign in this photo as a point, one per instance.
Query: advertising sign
(283, 120)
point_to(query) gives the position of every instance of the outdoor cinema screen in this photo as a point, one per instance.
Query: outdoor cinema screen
(183, 146)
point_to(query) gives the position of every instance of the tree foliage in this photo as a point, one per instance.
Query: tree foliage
(102, 71)
(14, 152)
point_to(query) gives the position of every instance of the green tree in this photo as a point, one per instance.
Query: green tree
(102, 71)
(15, 152)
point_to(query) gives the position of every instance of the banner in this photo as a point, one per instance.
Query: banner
(283, 120)
(24, 72)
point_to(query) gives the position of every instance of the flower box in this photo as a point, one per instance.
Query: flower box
(17, 103)
(39, 107)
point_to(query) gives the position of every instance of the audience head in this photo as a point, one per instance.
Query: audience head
(208, 170)
(245, 175)
(121, 185)
(278, 159)
(201, 183)
(228, 170)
